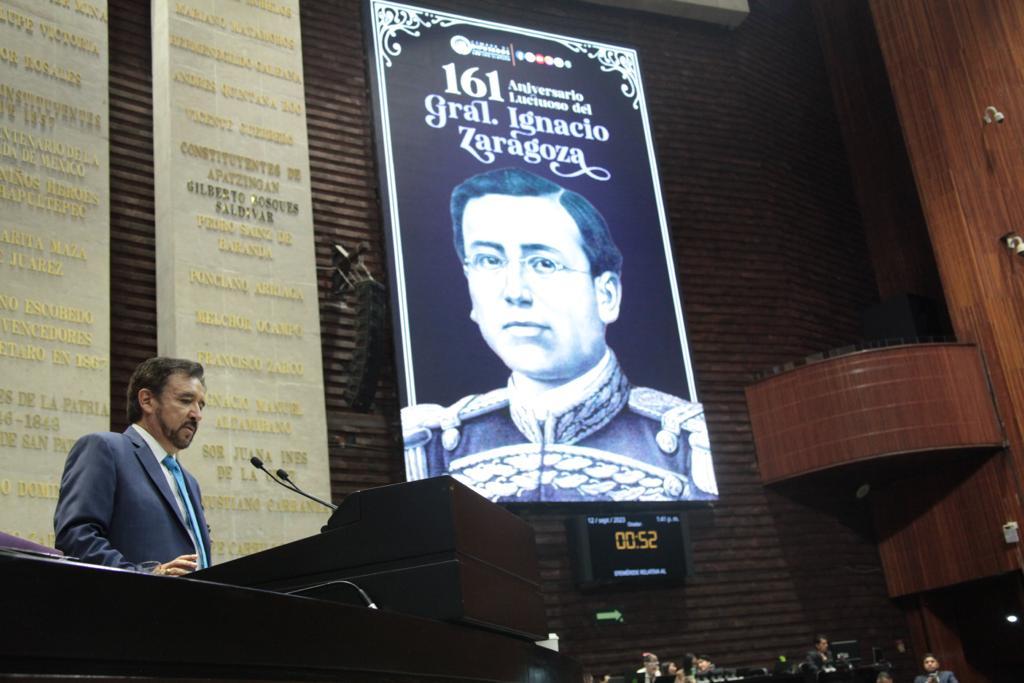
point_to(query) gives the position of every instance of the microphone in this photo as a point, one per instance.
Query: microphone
(258, 464)
(336, 582)
(284, 476)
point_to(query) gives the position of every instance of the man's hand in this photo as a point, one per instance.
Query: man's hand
(178, 566)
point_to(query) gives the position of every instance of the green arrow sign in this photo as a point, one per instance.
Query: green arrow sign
(612, 615)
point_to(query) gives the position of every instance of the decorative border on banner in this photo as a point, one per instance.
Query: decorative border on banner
(392, 19)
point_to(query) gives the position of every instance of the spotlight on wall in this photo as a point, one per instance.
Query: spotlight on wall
(1013, 242)
(1012, 618)
(993, 115)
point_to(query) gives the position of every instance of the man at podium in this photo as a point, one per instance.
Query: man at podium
(125, 501)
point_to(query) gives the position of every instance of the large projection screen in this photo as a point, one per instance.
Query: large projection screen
(541, 348)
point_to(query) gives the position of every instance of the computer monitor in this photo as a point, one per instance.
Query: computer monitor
(846, 650)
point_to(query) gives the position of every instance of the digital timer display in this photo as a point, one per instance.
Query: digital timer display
(636, 540)
(637, 548)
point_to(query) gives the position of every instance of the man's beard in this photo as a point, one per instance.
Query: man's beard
(180, 437)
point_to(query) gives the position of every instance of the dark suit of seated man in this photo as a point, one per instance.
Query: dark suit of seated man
(819, 660)
(931, 671)
(124, 499)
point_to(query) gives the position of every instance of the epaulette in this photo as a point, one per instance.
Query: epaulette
(419, 421)
(466, 409)
(673, 414)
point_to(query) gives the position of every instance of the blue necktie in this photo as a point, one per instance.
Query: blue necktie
(190, 514)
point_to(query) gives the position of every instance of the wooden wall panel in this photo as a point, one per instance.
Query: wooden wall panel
(935, 531)
(772, 262)
(947, 61)
(893, 222)
(132, 222)
(871, 404)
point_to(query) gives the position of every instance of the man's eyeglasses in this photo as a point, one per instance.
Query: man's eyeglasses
(534, 265)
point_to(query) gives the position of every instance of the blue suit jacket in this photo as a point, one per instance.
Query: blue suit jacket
(115, 507)
(943, 676)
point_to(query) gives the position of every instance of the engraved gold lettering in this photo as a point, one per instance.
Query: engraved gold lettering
(83, 406)
(234, 58)
(227, 401)
(195, 80)
(269, 134)
(275, 289)
(90, 10)
(90, 361)
(253, 424)
(279, 328)
(68, 314)
(20, 21)
(284, 368)
(279, 407)
(248, 95)
(223, 158)
(229, 321)
(28, 352)
(39, 110)
(38, 489)
(262, 35)
(199, 15)
(60, 73)
(243, 180)
(35, 442)
(294, 457)
(271, 6)
(67, 249)
(65, 37)
(45, 332)
(208, 119)
(38, 265)
(221, 280)
(224, 360)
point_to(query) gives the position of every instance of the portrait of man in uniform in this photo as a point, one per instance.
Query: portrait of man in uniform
(545, 282)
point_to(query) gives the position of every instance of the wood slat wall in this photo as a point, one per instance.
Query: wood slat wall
(893, 222)
(871, 404)
(132, 223)
(947, 62)
(773, 265)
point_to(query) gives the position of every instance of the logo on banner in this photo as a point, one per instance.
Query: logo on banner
(464, 46)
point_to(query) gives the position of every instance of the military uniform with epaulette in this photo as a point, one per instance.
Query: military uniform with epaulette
(602, 439)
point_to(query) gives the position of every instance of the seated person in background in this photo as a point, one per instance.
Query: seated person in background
(650, 668)
(883, 677)
(819, 659)
(685, 674)
(704, 664)
(931, 671)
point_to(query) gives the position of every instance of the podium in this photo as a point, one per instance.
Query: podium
(66, 621)
(432, 548)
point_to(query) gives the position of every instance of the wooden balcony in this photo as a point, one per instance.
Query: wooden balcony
(872, 404)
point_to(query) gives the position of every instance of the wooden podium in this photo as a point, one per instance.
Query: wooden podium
(67, 621)
(432, 548)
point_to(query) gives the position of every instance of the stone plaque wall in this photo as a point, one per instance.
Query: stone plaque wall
(236, 275)
(54, 249)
